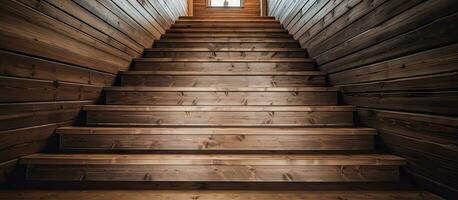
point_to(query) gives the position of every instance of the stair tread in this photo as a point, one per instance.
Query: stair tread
(224, 59)
(225, 49)
(213, 131)
(213, 159)
(141, 108)
(221, 194)
(223, 89)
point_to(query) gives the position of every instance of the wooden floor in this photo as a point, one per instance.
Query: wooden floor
(212, 195)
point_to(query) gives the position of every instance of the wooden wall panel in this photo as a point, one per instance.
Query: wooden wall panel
(251, 8)
(398, 62)
(56, 56)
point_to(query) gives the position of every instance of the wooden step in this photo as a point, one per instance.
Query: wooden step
(228, 64)
(215, 139)
(227, 43)
(227, 30)
(226, 25)
(173, 96)
(181, 21)
(287, 116)
(222, 65)
(227, 17)
(224, 53)
(236, 40)
(212, 168)
(218, 194)
(222, 79)
(226, 35)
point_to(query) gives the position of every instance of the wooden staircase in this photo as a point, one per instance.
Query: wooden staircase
(218, 100)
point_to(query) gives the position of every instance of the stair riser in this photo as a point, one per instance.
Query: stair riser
(276, 142)
(215, 118)
(220, 98)
(226, 30)
(228, 17)
(221, 81)
(224, 54)
(223, 66)
(160, 44)
(227, 25)
(229, 22)
(226, 21)
(213, 173)
(226, 35)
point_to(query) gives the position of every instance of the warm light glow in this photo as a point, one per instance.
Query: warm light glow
(225, 3)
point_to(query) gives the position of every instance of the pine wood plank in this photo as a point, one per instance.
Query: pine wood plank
(255, 66)
(226, 35)
(220, 168)
(144, 139)
(222, 79)
(19, 65)
(29, 90)
(217, 194)
(18, 115)
(220, 96)
(268, 116)
(76, 130)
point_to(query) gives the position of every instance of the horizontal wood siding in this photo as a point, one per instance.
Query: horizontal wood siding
(398, 62)
(56, 56)
(251, 8)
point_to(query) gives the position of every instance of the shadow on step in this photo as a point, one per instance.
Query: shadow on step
(214, 186)
(206, 152)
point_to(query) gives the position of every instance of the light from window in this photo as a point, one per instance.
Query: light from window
(225, 3)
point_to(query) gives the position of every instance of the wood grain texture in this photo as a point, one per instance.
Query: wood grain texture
(56, 56)
(28, 140)
(219, 115)
(214, 195)
(220, 96)
(272, 106)
(218, 168)
(222, 79)
(92, 139)
(396, 60)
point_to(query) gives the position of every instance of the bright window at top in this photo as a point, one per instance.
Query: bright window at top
(225, 3)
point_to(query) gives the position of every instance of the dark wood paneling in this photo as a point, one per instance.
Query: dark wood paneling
(427, 141)
(20, 65)
(251, 8)
(19, 115)
(29, 90)
(24, 141)
(6, 169)
(55, 57)
(391, 56)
